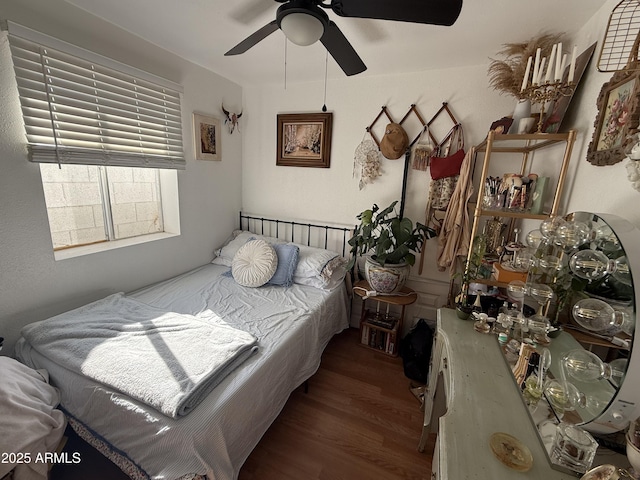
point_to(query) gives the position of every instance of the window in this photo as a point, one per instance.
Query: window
(88, 204)
(106, 135)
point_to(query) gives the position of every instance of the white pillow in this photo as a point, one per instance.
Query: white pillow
(320, 268)
(254, 264)
(225, 254)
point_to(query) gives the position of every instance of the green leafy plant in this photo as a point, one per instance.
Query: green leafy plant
(391, 239)
(469, 272)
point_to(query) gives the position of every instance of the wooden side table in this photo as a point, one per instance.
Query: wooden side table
(379, 328)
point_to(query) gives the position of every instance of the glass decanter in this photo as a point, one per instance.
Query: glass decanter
(573, 234)
(586, 366)
(523, 260)
(539, 324)
(549, 227)
(534, 238)
(595, 265)
(549, 264)
(598, 316)
(516, 290)
(563, 396)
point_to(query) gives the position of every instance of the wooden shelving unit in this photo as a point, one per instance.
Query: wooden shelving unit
(521, 146)
(379, 327)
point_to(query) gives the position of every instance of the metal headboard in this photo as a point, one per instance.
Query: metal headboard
(298, 232)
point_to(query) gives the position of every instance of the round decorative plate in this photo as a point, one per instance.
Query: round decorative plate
(602, 472)
(511, 451)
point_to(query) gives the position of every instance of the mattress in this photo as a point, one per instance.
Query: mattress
(293, 325)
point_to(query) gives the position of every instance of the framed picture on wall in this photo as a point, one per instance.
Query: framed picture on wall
(304, 139)
(206, 132)
(618, 117)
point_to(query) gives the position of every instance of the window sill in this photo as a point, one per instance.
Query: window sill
(106, 246)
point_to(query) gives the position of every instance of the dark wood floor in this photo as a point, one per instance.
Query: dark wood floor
(358, 421)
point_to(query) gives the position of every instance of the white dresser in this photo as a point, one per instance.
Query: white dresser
(471, 377)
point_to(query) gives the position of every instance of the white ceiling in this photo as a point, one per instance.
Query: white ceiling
(201, 31)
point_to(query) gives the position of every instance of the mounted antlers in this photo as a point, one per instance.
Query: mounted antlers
(232, 119)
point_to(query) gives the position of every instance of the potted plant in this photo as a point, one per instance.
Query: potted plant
(467, 274)
(392, 242)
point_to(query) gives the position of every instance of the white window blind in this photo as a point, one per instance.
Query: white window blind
(79, 111)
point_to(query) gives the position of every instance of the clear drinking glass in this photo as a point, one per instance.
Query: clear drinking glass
(573, 447)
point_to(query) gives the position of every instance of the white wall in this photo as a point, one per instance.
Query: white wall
(333, 195)
(602, 189)
(33, 285)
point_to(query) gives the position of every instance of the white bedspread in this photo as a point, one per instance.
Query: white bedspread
(293, 326)
(167, 360)
(30, 423)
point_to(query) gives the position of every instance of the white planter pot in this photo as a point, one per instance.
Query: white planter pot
(388, 279)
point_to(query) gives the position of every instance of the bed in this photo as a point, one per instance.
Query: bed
(292, 323)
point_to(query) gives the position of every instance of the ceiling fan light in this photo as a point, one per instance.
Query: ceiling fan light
(301, 28)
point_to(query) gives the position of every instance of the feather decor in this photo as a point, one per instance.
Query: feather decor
(506, 75)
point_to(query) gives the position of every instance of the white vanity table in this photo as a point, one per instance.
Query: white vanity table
(472, 392)
(481, 398)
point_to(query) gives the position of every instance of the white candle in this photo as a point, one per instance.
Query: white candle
(536, 67)
(526, 75)
(564, 64)
(547, 77)
(541, 70)
(558, 75)
(572, 67)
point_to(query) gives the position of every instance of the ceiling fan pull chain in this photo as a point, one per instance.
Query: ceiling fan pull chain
(285, 63)
(326, 64)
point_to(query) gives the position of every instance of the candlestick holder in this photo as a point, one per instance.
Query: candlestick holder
(548, 92)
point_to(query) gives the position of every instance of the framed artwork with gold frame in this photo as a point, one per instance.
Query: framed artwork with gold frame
(304, 139)
(618, 117)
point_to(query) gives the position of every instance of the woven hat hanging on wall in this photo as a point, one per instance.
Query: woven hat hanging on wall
(395, 141)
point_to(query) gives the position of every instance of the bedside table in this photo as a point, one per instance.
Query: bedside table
(378, 327)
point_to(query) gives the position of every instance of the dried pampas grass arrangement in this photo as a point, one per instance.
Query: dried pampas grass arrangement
(506, 75)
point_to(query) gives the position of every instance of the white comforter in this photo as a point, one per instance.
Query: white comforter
(293, 325)
(167, 360)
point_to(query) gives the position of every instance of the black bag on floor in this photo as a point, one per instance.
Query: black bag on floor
(415, 350)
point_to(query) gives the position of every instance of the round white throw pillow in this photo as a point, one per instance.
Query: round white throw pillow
(254, 264)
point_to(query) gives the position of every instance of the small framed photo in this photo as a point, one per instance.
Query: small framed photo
(206, 131)
(304, 140)
(618, 117)
(501, 126)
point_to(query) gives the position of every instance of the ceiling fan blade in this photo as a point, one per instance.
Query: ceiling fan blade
(341, 50)
(436, 12)
(253, 39)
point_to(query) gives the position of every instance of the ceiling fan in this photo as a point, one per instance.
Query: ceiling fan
(304, 22)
